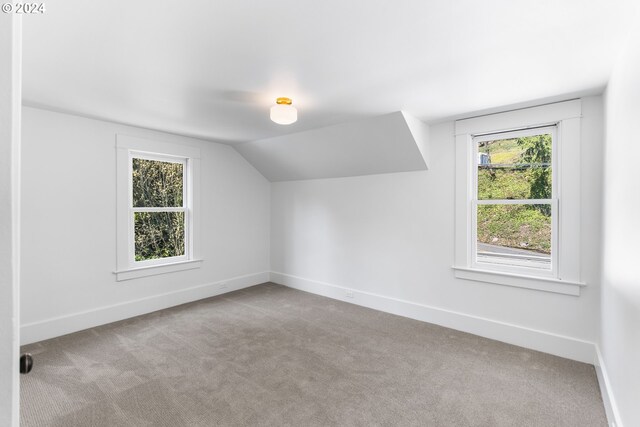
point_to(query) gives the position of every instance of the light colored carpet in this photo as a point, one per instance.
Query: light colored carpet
(273, 356)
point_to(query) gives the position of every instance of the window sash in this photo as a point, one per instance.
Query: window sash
(517, 133)
(160, 158)
(167, 209)
(514, 201)
(517, 266)
(185, 209)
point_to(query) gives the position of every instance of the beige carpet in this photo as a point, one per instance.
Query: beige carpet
(273, 356)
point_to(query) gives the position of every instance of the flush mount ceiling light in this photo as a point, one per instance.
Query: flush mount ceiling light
(283, 113)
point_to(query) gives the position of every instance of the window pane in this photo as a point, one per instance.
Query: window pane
(158, 235)
(515, 168)
(515, 235)
(157, 183)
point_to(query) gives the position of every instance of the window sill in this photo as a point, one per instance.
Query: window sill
(545, 284)
(153, 270)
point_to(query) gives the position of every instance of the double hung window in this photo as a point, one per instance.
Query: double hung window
(157, 207)
(159, 213)
(514, 205)
(518, 198)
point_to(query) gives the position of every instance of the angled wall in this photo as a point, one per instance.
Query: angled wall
(394, 142)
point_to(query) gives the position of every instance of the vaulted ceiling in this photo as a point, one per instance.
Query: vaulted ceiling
(212, 69)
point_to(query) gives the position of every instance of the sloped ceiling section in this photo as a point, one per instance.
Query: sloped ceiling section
(394, 142)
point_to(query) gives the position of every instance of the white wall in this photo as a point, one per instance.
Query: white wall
(10, 100)
(620, 313)
(69, 223)
(392, 235)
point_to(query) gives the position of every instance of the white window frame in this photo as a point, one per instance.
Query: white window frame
(128, 148)
(524, 267)
(564, 119)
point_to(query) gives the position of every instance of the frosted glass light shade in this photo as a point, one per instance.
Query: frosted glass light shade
(284, 114)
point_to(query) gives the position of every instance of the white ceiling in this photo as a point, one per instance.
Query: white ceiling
(212, 68)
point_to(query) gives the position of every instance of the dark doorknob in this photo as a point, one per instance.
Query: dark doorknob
(26, 363)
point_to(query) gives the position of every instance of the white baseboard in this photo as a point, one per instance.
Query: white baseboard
(57, 326)
(610, 406)
(559, 345)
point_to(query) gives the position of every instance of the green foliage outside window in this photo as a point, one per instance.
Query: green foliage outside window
(519, 168)
(158, 184)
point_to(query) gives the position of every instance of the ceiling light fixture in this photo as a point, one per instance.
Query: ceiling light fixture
(283, 113)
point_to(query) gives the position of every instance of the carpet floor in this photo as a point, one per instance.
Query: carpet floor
(274, 356)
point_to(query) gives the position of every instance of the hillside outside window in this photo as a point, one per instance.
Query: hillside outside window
(514, 211)
(518, 198)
